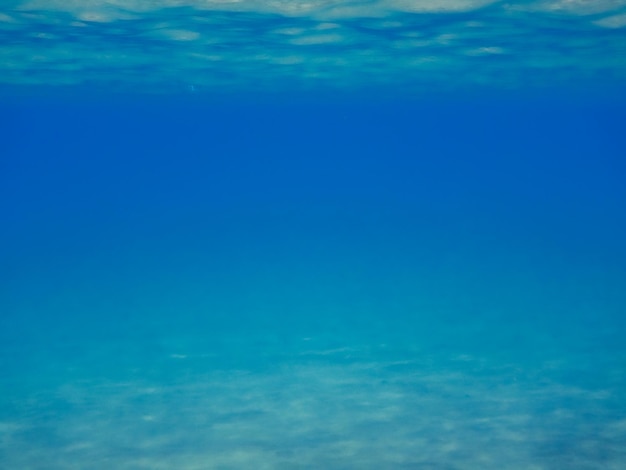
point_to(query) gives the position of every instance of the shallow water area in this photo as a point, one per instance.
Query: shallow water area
(334, 235)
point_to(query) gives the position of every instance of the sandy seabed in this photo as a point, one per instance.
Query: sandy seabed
(338, 407)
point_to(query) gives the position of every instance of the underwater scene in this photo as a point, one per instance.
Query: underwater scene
(313, 234)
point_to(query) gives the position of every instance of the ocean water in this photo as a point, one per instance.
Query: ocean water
(313, 235)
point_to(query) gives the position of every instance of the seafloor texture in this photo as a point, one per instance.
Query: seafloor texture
(275, 401)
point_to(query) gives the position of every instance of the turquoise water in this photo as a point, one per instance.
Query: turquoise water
(321, 235)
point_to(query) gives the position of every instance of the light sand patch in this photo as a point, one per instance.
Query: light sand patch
(444, 412)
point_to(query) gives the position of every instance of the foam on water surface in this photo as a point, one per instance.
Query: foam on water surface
(413, 46)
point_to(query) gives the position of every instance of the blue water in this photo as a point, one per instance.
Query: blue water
(365, 235)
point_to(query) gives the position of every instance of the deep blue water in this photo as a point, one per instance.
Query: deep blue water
(202, 273)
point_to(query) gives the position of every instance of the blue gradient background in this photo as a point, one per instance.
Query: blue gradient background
(153, 245)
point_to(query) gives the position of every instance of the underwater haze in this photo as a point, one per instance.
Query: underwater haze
(289, 234)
